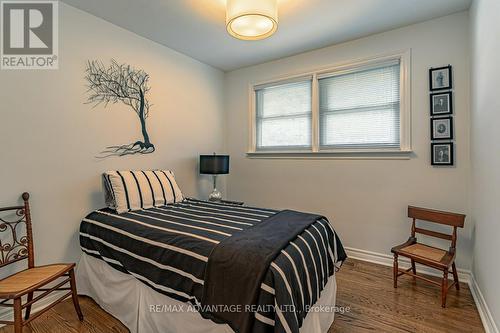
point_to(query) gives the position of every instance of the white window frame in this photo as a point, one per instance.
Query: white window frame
(404, 57)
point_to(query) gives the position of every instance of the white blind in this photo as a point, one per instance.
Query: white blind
(361, 109)
(284, 115)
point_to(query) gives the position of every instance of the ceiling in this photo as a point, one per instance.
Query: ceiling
(197, 27)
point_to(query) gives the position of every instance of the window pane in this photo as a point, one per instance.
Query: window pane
(284, 115)
(284, 132)
(361, 109)
(368, 128)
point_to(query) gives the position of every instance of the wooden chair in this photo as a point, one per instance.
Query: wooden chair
(428, 255)
(31, 280)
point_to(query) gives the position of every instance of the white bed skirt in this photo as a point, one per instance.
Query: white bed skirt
(130, 301)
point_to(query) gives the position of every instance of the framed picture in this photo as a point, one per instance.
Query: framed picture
(440, 78)
(442, 153)
(442, 128)
(441, 103)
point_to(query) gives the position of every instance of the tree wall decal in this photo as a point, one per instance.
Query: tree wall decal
(125, 84)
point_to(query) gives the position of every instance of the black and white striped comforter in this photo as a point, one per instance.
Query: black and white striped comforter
(168, 247)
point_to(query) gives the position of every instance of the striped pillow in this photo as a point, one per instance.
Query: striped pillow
(137, 189)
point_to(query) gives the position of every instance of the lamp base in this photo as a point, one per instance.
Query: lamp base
(215, 195)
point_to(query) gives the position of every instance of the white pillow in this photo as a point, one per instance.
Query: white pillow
(130, 190)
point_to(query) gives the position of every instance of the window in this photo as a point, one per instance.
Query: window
(361, 107)
(284, 115)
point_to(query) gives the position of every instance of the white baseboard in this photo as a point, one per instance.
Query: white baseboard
(482, 307)
(464, 275)
(8, 314)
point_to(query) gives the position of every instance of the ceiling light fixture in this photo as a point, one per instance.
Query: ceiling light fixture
(251, 19)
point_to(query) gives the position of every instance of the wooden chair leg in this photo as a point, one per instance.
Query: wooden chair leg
(455, 276)
(28, 308)
(444, 288)
(395, 270)
(18, 316)
(74, 295)
(413, 269)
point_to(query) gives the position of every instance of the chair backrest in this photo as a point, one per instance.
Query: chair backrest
(20, 247)
(436, 216)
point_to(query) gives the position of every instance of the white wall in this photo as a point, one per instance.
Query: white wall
(365, 199)
(50, 137)
(485, 111)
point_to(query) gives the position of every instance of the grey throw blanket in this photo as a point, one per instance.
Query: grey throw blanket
(237, 266)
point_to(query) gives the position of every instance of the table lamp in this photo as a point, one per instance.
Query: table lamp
(214, 165)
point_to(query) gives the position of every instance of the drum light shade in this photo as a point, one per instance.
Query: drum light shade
(251, 19)
(214, 164)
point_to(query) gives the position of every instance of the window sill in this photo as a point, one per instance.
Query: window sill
(386, 154)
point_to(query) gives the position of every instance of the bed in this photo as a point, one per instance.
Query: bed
(179, 267)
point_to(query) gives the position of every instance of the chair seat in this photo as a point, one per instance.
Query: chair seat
(31, 279)
(425, 251)
(425, 254)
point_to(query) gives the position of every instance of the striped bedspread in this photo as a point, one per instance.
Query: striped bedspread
(168, 248)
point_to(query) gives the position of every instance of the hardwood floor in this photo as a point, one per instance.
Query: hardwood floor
(413, 307)
(364, 289)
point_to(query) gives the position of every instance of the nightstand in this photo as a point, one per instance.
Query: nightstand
(236, 203)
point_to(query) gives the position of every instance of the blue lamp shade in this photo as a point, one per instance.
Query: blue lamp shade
(214, 164)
